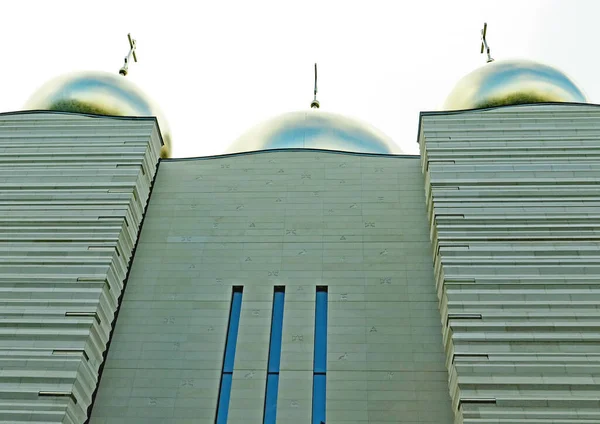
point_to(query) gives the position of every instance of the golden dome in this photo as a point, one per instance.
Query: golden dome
(98, 93)
(315, 129)
(508, 82)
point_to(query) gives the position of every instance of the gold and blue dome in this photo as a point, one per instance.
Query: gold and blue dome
(99, 93)
(511, 82)
(315, 129)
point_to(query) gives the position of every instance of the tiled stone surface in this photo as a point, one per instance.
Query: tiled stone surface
(356, 223)
(72, 194)
(513, 196)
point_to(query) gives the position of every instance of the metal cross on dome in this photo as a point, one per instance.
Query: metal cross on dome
(123, 71)
(315, 103)
(484, 44)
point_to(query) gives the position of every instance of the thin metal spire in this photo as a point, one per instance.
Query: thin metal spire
(125, 69)
(484, 44)
(315, 103)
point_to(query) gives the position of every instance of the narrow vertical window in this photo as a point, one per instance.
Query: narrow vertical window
(270, 414)
(320, 359)
(229, 358)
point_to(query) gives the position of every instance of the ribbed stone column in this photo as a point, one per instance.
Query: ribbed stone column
(513, 198)
(73, 190)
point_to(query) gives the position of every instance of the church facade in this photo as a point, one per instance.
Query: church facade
(302, 285)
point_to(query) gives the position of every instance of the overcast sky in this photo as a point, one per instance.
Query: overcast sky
(218, 68)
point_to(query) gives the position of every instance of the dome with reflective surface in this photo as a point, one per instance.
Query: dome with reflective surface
(314, 129)
(98, 93)
(510, 82)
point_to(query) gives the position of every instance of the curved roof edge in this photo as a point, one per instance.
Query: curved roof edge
(89, 115)
(485, 109)
(291, 149)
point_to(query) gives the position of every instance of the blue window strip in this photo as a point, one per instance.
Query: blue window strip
(270, 413)
(271, 399)
(224, 396)
(229, 359)
(276, 332)
(319, 391)
(320, 359)
(232, 332)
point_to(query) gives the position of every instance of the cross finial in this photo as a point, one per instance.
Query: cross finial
(123, 71)
(315, 103)
(484, 44)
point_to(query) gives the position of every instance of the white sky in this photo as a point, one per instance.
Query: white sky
(218, 68)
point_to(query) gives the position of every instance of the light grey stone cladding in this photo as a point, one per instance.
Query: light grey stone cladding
(513, 198)
(298, 218)
(73, 190)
